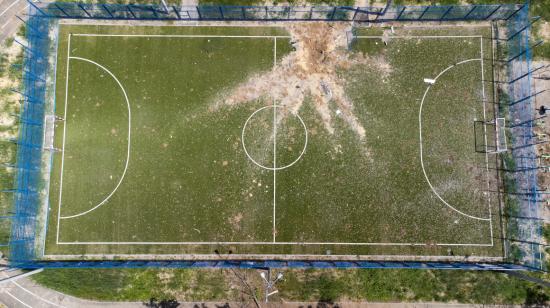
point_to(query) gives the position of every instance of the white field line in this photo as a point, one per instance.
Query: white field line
(484, 99)
(37, 296)
(421, 149)
(17, 299)
(180, 23)
(9, 7)
(14, 19)
(5, 24)
(420, 36)
(267, 243)
(129, 139)
(64, 135)
(181, 35)
(274, 149)
(274, 52)
(274, 243)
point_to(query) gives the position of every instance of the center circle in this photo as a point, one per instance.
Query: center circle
(256, 127)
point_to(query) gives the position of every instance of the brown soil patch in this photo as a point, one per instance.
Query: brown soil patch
(310, 73)
(236, 221)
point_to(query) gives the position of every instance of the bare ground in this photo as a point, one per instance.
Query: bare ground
(309, 73)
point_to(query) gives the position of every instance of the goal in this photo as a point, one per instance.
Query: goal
(490, 136)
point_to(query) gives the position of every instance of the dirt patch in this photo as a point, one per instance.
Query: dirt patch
(236, 221)
(544, 31)
(165, 276)
(310, 73)
(8, 101)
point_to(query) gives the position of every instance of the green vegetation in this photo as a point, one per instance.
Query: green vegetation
(297, 285)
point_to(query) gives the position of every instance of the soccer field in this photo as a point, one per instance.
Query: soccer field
(177, 141)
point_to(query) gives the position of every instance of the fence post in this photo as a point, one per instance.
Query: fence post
(129, 8)
(333, 13)
(526, 50)
(107, 10)
(27, 24)
(155, 11)
(198, 12)
(446, 13)
(36, 7)
(356, 9)
(470, 12)
(82, 8)
(521, 7)
(525, 98)
(176, 11)
(535, 19)
(401, 13)
(61, 9)
(493, 12)
(422, 15)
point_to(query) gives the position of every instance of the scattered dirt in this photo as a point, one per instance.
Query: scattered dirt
(236, 221)
(310, 72)
(544, 31)
(165, 276)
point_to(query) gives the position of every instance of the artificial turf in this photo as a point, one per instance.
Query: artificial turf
(189, 180)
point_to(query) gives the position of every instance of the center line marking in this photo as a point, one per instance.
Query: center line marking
(274, 146)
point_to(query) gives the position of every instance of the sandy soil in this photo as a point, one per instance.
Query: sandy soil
(8, 100)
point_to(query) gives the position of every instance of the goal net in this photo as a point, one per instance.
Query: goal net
(490, 136)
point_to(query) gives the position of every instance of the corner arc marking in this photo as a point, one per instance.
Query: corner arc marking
(129, 139)
(421, 149)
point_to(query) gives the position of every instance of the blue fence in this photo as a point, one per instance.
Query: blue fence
(23, 244)
(29, 142)
(325, 13)
(276, 264)
(524, 223)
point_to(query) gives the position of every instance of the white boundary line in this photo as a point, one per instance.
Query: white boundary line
(129, 139)
(17, 299)
(37, 296)
(274, 243)
(277, 243)
(181, 35)
(274, 149)
(9, 7)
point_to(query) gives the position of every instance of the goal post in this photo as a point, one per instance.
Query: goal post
(490, 136)
(500, 130)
